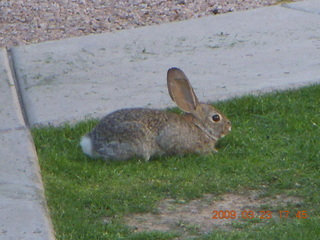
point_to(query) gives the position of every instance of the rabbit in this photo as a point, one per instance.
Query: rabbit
(143, 133)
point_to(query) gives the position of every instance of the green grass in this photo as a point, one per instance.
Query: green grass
(274, 147)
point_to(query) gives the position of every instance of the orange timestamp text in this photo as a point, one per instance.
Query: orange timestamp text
(258, 215)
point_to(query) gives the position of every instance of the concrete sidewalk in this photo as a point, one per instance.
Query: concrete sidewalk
(73, 79)
(23, 211)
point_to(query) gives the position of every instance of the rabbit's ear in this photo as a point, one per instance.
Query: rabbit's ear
(181, 91)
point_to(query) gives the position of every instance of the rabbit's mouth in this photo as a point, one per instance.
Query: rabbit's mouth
(228, 129)
(222, 135)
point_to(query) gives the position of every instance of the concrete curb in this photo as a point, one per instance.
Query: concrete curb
(23, 211)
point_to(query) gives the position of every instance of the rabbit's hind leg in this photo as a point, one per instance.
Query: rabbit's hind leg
(131, 140)
(119, 151)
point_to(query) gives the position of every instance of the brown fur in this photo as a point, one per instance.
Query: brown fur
(141, 132)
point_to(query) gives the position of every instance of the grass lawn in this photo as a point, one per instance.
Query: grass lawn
(274, 149)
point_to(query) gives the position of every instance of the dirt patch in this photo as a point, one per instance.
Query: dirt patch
(196, 217)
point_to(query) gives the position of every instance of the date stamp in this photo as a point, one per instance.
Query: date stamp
(225, 214)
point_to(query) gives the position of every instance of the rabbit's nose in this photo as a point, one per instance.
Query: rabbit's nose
(229, 126)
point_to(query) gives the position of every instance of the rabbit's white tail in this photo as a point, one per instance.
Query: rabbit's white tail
(86, 145)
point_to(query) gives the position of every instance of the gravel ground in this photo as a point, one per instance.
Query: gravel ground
(32, 21)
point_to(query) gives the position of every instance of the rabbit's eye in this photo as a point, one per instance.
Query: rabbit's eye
(216, 118)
